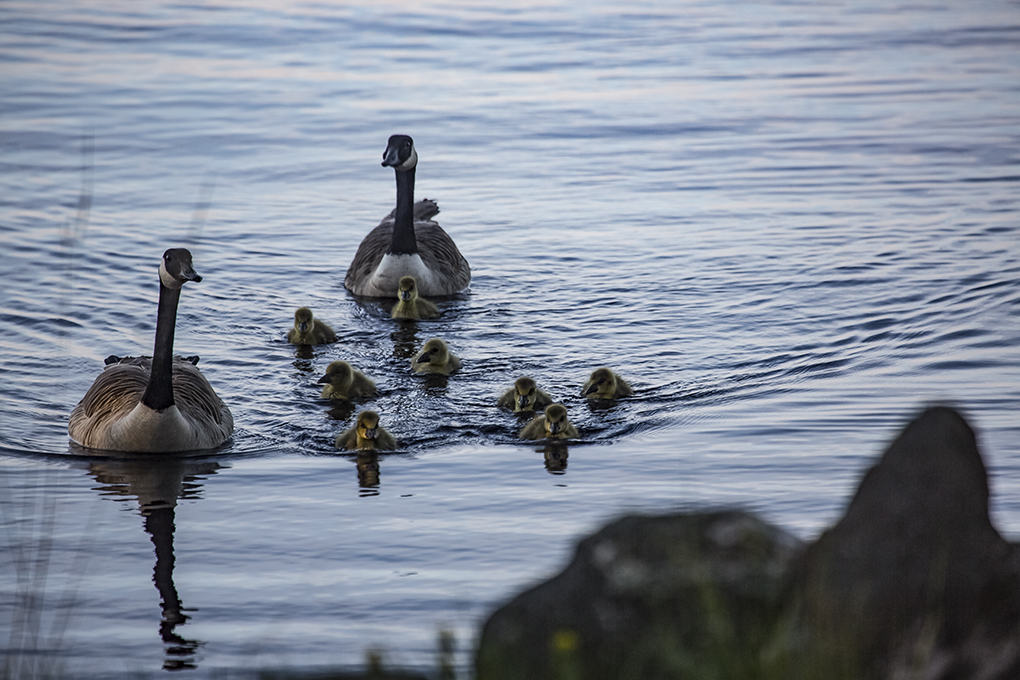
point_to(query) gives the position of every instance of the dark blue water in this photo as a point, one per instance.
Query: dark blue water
(789, 226)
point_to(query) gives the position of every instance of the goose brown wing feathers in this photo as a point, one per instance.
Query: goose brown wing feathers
(441, 255)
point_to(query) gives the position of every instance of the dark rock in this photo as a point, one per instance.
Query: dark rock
(914, 579)
(913, 582)
(645, 597)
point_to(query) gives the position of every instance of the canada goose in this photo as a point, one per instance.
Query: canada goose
(308, 330)
(366, 435)
(524, 396)
(154, 404)
(407, 241)
(553, 424)
(604, 384)
(435, 357)
(343, 381)
(409, 305)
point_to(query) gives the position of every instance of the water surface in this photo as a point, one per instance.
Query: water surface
(789, 225)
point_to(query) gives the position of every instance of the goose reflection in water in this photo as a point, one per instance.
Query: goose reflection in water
(157, 483)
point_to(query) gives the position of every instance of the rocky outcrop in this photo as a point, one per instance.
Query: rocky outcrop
(914, 577)
(913, 582)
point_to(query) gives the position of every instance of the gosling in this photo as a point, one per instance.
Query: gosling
(524, 396)
(366, 435)
(409, 305)
(552, 425)
(435, 357)
(604, 384)
(343, 381)
(308, 330)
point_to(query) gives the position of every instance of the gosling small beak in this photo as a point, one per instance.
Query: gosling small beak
(303, 326)
(423, 358)
(554, 428)
(323, 379)
(405, 295)
(593, 388)
(522, 402)
(369, 433)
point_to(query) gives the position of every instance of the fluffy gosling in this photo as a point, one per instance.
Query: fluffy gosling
(366, 435)
(435, 357)
(343, 381)
(524, 396)
(604, 384)
(552, 425)
(409, 305)
(308, 330)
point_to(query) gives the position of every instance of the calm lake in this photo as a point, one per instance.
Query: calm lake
(789, 225)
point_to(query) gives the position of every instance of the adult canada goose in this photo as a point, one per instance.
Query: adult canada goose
(605, 384)
(553, 424)
(308, 330)
(524, 396)
(407, 242)
(366, 435)
(343, 381)
(435, 357)
(409, 305)
(160, 403)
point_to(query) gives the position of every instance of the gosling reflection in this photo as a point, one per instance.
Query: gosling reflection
(368, 473)
(555, 457)
(157, 483)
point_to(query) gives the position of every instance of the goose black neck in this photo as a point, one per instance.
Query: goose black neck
(159, 393)
(403, 242)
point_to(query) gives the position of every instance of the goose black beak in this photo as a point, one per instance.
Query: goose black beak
(369, 433)
(522, 401)
(554, 428)
(422, 358)
(391, 157)
(594, 388)
(405, 295)
(323, 379)
(188, 273)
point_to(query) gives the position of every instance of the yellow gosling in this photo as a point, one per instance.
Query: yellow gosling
(409, 305)
(604, 384)
(343, 381)
(435, 357)
(308, 330)
(366, 435)
(552, 425)
(524, 396)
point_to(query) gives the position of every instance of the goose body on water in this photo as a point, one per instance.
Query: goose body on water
(161, 403)
(308, 330)
(553, 424)
(407, 242)
(524, 396)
